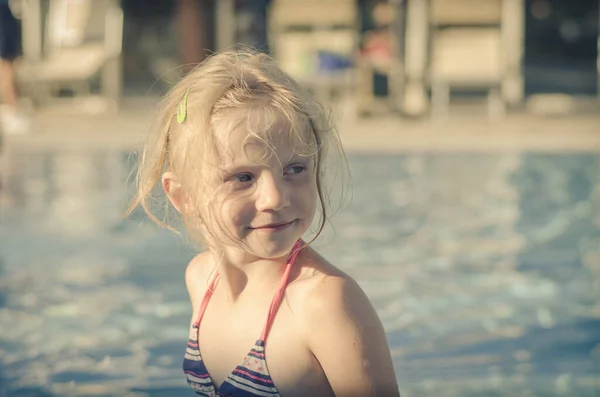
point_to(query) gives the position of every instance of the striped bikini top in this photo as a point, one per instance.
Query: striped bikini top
(251, 377)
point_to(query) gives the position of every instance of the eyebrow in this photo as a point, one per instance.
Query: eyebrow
(296, 158)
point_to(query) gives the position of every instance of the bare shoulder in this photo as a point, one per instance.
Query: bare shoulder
(340, 324)
(325, 288)
(331, 292)
(196, 276)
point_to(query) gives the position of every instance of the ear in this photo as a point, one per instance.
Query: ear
(173, 190)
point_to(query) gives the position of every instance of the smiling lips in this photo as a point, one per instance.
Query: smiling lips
(273, 226)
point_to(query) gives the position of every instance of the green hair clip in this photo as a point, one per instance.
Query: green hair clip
(182, 108)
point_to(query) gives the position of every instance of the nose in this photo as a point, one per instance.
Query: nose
(272, 194)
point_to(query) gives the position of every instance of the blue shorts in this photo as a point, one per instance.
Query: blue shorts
(10, 33)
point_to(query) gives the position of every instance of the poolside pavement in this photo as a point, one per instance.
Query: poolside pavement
(466, 129)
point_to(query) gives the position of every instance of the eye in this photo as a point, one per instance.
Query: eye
(294, 169)
(242, 178)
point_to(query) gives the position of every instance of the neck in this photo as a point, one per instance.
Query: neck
(240, 275)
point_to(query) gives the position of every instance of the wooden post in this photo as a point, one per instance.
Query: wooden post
(31, 29)
(513, 41)
(192, 32)
(396, 72)
(112, 72)
(417, 43)
(225, 26)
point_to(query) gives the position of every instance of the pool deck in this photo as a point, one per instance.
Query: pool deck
(467, 129)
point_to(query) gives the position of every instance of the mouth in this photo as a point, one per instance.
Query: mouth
(273, 226)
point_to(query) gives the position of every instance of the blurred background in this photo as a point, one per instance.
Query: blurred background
(473, 135)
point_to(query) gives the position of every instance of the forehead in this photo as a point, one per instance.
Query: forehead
(258, 132)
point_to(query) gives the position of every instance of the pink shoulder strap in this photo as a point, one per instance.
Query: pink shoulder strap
(280, 291)
(207, 295)
(276, 299)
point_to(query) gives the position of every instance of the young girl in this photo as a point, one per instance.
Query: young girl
(240, 152)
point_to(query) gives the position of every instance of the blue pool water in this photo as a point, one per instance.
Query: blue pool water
(484, 268)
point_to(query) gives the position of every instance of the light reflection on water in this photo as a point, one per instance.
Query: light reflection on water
(485, 270)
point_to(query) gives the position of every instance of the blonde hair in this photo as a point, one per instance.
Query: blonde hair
(232, 80)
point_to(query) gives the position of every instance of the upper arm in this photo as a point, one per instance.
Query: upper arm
(346, 336)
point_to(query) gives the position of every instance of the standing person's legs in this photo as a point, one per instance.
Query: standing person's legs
(9, 50)
(8, 86)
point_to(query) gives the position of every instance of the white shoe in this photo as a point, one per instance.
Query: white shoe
(14, 123)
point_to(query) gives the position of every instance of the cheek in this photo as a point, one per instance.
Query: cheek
(308, 197)
(236, 211)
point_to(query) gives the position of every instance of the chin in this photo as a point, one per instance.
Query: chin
(273, 249)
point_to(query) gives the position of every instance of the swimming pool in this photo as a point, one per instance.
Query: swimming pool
(484, 268)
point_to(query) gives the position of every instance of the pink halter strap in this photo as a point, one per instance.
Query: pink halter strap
(276, 299)
(279, 294)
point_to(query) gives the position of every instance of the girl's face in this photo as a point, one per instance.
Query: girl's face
(266, 193)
